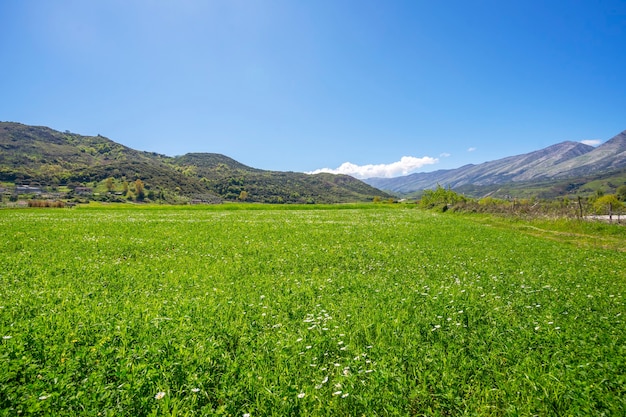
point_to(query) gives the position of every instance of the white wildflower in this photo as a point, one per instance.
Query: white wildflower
(159, 395)
(301, 395)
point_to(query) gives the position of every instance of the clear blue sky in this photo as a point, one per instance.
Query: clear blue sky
(299, 85)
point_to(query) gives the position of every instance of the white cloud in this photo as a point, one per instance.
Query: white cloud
(472, 149)
(404, 166)
(591, 142)
(445, 155)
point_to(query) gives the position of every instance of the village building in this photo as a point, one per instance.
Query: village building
(27, 189)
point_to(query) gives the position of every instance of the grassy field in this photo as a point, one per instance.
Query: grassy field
(373, 310)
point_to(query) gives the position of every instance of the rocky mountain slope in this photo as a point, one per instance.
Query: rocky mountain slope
(563, 160)
(611, 155)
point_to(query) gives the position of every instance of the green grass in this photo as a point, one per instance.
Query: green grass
(365, 310)
(581, 233)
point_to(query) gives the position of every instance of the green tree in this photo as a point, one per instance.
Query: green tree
(621, 193)
(109, 183)
(139, 189)
(243, 195)
(607, 204)
(440, 197)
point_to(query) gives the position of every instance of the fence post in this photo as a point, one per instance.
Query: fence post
(580, 207)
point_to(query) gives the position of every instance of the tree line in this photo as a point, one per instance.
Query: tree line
(444, 199)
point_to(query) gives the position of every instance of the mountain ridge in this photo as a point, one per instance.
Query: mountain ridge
(559, 161)
(609, 155)
(41, 155)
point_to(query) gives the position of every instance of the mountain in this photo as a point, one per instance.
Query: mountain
(230, 178)
(63, 160)
(611, 155)
(41, 155)
(557, 162)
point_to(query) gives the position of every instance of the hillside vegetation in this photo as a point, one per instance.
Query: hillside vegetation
(599, 206)
(57, 162)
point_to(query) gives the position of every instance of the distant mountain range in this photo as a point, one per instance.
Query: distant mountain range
(551, 166)
(35, 155)
(63, 160)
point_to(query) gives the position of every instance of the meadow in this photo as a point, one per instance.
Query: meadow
(314, 311)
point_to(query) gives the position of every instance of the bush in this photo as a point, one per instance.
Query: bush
(46, 203)
(607, 204)
(440, 198)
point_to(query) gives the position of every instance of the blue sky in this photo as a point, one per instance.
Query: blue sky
(390, 87)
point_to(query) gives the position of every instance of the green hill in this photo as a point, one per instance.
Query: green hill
(63, 160)
(229, 179)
